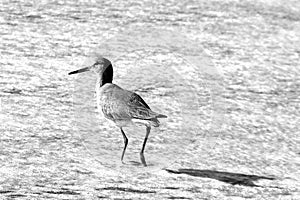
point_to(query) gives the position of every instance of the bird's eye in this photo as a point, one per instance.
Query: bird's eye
(96, 65)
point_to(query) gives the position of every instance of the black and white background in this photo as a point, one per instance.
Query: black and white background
(225, 72)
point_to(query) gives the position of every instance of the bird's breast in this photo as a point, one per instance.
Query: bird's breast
(108, 98)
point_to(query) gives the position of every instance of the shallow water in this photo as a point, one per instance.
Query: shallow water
(226, 74)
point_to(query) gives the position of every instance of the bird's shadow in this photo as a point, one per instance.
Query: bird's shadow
(227, 177)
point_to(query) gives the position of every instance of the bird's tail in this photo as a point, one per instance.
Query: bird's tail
(155, 122)
(161, 116)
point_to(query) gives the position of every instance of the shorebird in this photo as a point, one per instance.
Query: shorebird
(121, 106)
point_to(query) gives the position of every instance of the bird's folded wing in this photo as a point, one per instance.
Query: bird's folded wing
(128, 107)
(139, 109)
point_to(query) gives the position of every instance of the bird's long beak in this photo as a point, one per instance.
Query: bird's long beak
(80, 70)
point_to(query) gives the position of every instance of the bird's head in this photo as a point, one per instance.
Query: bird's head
(99, 65)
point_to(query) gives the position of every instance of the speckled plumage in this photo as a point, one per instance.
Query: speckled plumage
(123, 106)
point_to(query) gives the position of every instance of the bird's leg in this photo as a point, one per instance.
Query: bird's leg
(148, 128)
(125, 144)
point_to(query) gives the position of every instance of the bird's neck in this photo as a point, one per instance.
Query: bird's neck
(106, 76)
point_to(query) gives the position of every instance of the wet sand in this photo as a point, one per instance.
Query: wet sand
(233, 126)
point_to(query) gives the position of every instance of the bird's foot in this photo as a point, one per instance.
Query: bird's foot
(143, 159)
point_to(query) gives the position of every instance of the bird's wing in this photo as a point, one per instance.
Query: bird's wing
(124, 104)
(139, 109)
(136, 100)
